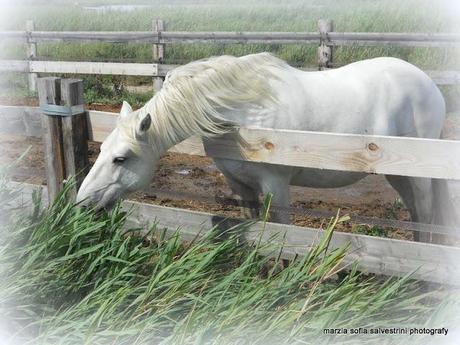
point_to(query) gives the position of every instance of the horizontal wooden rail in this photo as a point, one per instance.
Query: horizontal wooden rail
(429, 262)
(20, 120)
(145, 69)
(5, 35)
(72, 67)
(336, 38)
(14, 66)
(348, 152)
(80, 67)
(240, 37)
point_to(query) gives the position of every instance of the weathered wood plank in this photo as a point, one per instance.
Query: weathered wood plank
(19, 120)
(347, 152)
(168, 37)
(75, 67)
(96, 36)
(447, 38)
(325, 50)
(31, 55)
(240, 37)
(337, 38)
(158, 52)
(13, 35)
(142, 69)
(49, 92)
(100, 124)
(75, 133)
(334, 151)
(429, 262)
(158, 49)
(14, 66)
(402, 44)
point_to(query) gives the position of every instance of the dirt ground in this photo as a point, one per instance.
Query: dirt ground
(194, 182)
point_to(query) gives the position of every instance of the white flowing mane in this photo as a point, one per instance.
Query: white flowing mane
(194, 95)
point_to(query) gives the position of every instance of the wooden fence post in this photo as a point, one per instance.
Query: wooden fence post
(75, 132)
(31, 55)
(49, 92)
(324, 50)
(65, 132)
(158, 52)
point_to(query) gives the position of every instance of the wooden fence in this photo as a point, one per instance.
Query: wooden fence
(361, 153)
(326, 39)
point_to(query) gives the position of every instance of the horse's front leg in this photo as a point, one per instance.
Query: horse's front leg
(246, 197)
(278, 187)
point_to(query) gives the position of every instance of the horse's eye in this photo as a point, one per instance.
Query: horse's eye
(119, 160)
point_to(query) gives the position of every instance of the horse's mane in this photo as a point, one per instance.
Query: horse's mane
(194, 96)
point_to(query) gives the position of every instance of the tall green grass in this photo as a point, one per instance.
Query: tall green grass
(349, 15)
(70, 276)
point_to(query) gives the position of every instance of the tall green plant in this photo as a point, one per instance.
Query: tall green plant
(71, 276)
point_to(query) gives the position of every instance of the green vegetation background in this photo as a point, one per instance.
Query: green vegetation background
(348, 15)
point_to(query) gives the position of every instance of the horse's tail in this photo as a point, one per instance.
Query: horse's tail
(445, 210)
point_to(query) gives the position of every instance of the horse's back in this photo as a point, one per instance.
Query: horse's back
(415, 105)
(385, 96)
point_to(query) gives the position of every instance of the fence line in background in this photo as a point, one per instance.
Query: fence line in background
(146, 69)
(162, 37)
(326, 38)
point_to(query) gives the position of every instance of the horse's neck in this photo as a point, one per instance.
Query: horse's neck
(291, 93)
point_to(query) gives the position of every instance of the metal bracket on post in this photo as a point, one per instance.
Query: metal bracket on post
(62, 110)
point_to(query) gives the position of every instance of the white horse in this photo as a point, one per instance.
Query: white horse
(382, 96)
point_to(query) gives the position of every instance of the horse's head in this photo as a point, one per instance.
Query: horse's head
(126, 163)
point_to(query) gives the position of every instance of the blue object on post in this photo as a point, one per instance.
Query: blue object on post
(62, 110)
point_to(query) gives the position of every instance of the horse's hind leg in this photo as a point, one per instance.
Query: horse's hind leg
(416, 193)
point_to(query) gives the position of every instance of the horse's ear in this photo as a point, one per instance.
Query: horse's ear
(144, 125)
(125, 109)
